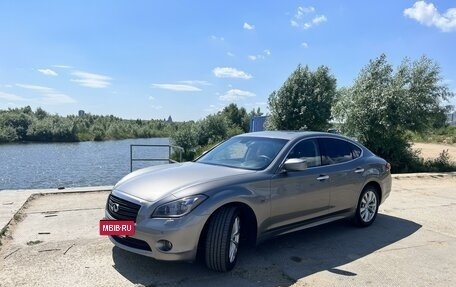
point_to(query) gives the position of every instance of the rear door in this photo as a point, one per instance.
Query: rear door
(341, 159)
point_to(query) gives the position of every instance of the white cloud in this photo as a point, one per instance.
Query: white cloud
(11, 97)
(47, 72)
(304, 10)
(248, 26)
(49, 95)
(319, 19)
(151, 98)
(62, 66)
(305, 18)
(57, 99)
(196, 83)
(177, 87)
(230, 54)
(215, 38)
(39, 89)
(227, 72)
(305, 45)
(260, 56)
(427, 14)
(91, 80)
(236, 94)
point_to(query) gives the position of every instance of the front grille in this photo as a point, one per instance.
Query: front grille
(122, 209)
(132, 242)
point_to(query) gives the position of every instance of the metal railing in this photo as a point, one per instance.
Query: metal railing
(169, 159)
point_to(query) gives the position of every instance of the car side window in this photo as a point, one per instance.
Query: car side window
(356, 151)
(335, 151)
(308, 150)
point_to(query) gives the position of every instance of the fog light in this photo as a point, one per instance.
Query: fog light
(164, 245)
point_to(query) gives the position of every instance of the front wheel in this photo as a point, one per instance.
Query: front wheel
(367, 209)
(222, 239)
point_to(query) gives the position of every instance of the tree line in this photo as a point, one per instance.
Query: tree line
(26, 125)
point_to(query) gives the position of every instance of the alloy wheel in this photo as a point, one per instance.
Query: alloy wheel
(234, 239)
(368, 206)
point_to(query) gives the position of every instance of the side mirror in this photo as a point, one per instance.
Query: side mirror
(295, 164)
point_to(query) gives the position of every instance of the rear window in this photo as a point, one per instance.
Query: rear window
(356, 151)
(335, 151)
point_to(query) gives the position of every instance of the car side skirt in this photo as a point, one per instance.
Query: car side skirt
(306, 224)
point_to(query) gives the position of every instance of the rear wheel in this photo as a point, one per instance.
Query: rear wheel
(367, 209)
(222, 239)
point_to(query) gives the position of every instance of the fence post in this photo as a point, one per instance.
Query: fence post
(131, 158)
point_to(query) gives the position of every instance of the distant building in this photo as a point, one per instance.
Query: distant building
(81, 113)
(451, 119)
(257, 123)
(170, 119)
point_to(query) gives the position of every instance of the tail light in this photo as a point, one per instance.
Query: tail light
(388, 167)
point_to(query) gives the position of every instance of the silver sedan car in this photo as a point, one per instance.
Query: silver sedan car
(247, 189)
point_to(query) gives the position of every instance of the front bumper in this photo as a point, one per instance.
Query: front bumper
(183, 233)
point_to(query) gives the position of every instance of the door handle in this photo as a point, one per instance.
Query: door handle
(359, 170)
(323, 177)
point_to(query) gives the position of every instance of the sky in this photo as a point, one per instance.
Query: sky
(188, 59)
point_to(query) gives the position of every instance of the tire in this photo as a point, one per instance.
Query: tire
(367, 208)
(222, 239)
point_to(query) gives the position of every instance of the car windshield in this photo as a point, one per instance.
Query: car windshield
(253, 153)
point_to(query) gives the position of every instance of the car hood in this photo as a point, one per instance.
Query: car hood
(156, 182)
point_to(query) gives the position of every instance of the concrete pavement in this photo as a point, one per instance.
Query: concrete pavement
(54, 241)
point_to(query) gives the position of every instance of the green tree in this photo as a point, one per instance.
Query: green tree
(383, 105)
(187, 138)
(40, 113)
(304, 101)
(19, 120)
(255, 113)
(7, 134)
(237, 118)
(212, 129)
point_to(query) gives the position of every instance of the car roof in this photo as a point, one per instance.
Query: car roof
(287, 135)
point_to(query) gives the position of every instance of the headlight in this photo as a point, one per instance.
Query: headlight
(179, 207)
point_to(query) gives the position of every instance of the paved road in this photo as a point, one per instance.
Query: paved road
(413, 242)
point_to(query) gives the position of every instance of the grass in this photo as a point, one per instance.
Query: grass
(446, 135)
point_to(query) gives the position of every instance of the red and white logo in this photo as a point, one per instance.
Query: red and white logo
(117, 227)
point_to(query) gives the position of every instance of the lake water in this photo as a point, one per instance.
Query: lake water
(53, 165)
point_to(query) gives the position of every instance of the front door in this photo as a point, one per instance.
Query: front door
(297, 196)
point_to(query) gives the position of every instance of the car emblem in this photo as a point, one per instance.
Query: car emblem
(114, 207)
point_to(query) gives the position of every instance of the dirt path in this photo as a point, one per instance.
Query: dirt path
(433, 150)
